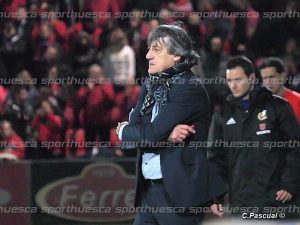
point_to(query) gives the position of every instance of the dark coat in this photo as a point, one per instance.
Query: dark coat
(243, 150)
(188, 178)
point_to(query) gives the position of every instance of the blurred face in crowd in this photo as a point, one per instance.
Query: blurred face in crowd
(45, 31)
(153, 24)
(136, 19)
(22, 95)
(238, 82)
(95, 71)
(96, 75)
(10, 30)
(194, 19)
(159, 58)
(118, 40)
(51, 54)
(216, 44)
(53, 72)
(21, 13)
(45, 108)
(6, 130)
(272, 80)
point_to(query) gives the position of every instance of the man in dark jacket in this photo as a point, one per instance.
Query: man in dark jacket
(170, 175)
(255, 141)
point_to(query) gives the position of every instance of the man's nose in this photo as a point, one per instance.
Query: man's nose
(232, 85)
(149, 55)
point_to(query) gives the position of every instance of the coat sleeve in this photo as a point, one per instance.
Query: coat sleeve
(185, 102)
(135, 117)
(217, 154)
(290, 131)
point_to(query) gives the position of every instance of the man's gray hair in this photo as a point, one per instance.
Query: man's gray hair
(176, 40)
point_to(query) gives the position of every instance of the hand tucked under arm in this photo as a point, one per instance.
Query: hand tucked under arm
(181, 132)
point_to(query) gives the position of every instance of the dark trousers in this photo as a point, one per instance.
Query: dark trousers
(156, 210)
(91, 134)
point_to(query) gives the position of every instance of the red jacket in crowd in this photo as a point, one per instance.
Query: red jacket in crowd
(49, 131)
(104, 6)
(14, 145)
(96, 104)
(78, 27)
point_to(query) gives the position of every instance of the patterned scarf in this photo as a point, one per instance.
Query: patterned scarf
(159, 85)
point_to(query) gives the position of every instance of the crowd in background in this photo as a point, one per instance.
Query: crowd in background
(76, 77)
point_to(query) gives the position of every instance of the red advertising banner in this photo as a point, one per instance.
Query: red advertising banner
(14, 194)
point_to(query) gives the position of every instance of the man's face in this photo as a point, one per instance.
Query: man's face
(216, 44)
(272, 80)
(6, 130)
(238, 82)
(159, 58)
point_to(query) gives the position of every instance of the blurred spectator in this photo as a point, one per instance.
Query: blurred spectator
(118, 59)
(112, 6)
(164, 16)
(42, 37)
(12, 145)
(107, 28)
(88, 25)
(244, 27)
(24, 23)
(83, 54)
(96, 101)
(125, 100)
(48, 126)
(48, 32)
(182, 6)
(25, 78)
(51, 58)
(19, 111)
(214, 68)
(202, 5)
(12, 48)
(137, 34)
(215, 59)
(58, 27)
(197, 30)
(137, 31)
(60, 6)
(53, 55)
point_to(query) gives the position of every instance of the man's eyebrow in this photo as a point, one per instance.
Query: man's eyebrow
(230, 79)
(156, 45)
(269, 75)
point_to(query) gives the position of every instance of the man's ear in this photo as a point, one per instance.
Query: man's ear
(177, 58)
(252, 77)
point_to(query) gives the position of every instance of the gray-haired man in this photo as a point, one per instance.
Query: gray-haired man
(171, 177)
